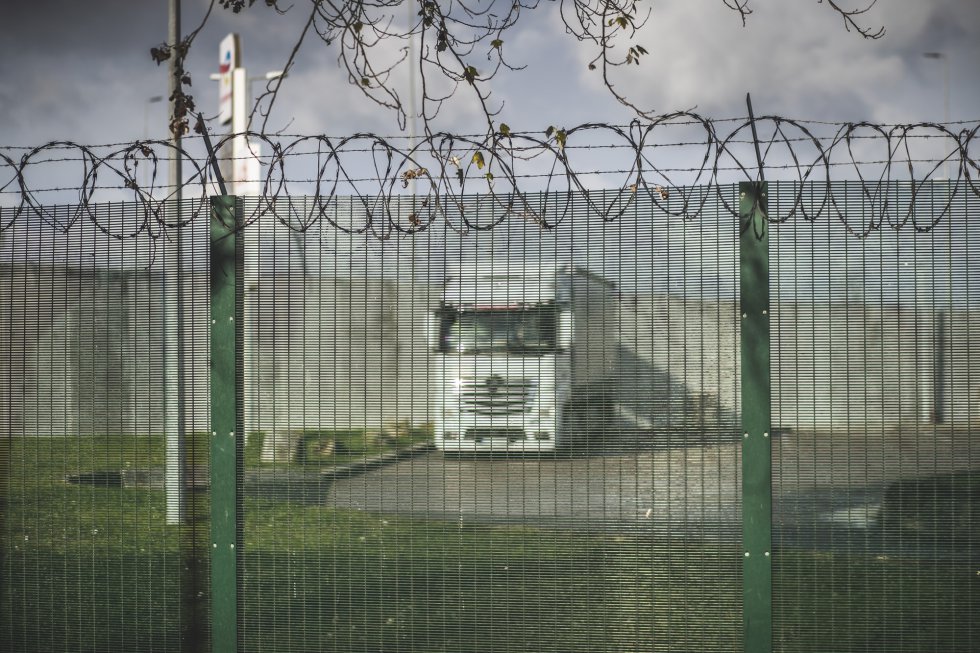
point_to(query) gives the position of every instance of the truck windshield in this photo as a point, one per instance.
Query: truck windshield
(516, 331)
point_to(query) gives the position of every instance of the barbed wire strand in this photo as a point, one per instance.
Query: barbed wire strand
(447, 168)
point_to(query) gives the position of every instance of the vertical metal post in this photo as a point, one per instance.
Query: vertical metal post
(176, 426)
(939, 368)
(756, 418)
(226, 420)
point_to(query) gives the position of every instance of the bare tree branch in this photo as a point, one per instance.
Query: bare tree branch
(461, 46)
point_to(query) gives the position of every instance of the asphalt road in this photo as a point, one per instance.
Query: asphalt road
(689, 488)
(827, 490)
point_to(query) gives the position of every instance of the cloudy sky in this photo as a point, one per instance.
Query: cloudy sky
(81, 71)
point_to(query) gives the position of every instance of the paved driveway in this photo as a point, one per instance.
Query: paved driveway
(685, 488)
(692, 490)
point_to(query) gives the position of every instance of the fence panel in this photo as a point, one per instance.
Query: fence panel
(493, 434)
(363, 352)
(875, 456)
(88, 361)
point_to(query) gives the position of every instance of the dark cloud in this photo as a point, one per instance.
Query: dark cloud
(82, 71)
(73, 29)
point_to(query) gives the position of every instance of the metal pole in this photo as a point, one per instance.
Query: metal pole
(226, 420)
(412, 109)
(756, 418)
(174, 86)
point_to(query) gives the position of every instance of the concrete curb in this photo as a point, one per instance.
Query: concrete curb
(362, 466)
(198, 478)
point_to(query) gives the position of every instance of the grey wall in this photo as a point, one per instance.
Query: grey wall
(82, 352)
(849, 364)
(338, 353)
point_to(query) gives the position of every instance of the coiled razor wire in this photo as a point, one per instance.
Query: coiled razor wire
(512, 172)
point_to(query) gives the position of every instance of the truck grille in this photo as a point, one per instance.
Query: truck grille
(495, 396)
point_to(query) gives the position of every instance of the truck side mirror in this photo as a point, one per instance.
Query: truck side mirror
(566, 330)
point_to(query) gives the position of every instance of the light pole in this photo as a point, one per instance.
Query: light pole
(945, 59)
(146, 114)
(939, 320)
(146, 128)
(268, 77)
(174, 401)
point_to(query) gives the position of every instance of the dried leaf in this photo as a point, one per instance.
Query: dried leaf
(160, 54)
(560, 137)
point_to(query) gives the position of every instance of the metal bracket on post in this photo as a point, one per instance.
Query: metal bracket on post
(756, 418)
(226, 421)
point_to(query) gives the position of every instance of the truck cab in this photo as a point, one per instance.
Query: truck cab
(504, 377)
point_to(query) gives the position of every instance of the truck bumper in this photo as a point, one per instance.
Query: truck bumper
(514, 435)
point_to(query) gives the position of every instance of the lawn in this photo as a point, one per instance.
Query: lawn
(89, 568)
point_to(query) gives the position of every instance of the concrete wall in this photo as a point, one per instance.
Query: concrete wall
(82, 352)
(849, 364)
(339, 353)
(680, 362)
(841, 365)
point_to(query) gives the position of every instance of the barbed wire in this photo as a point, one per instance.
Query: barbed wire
(677, 162)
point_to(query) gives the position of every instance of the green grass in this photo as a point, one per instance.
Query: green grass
(97, 569)
(839, 602)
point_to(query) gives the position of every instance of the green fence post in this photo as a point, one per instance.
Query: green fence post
(226, 420)
(756, 418)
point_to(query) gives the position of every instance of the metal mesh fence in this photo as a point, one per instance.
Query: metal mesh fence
(100, 551)
(436, 463)
(874, 455)
(493, 434)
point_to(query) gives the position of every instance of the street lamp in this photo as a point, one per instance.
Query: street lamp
(146, 114)
(146, 128)
(939, 321)
(945, 59)
(269, 76)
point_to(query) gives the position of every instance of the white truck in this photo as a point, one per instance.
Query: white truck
(524, 360)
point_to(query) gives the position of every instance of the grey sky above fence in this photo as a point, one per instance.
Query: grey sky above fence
(82, 71)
